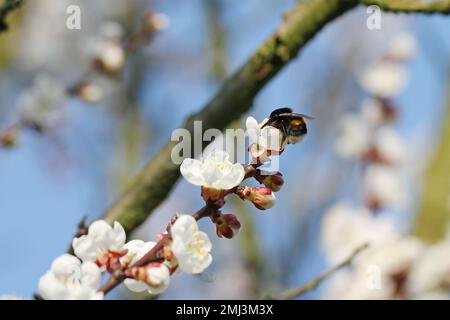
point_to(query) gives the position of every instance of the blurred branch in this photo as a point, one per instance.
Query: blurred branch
(8, 7)
(311, 285)
(156, 180)
(434, 210)
(217, 37)
(439, 6)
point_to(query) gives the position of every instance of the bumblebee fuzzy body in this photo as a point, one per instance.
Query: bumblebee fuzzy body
(292, 125)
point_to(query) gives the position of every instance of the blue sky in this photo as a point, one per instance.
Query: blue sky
(41, 200)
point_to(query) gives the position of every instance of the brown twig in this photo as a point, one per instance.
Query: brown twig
(311, 285)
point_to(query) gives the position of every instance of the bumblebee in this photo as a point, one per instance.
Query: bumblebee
(292, 125)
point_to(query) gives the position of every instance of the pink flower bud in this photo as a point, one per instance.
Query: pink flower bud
(262, 197)
(273, 181)
(227, 225)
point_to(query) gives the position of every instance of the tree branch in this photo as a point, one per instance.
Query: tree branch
(433, 215)
(296, 292)
(439, 6)
(156, 180)
(8, 7)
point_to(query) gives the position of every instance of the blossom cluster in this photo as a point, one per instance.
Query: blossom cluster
(148, 266)
(369, 135)
(395, 266)
(41, 104)
(104, 249)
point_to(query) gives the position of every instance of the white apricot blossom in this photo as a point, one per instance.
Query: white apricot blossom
(69, 279)
(41, 104)
(101, 239)
(385, 186)
(107, 49)
(393, 257)
(381, 273)
(155, 279)
(214, 172)
(346, 227)
(385, 79)
(391, 146)
(190, 246)
(431, 273)
(264, 141)
(354, 137)
(402, 47)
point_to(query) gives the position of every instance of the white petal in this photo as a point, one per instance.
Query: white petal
(135, 285)
(271, 138)
(99, 230)
(252, 128)
(118, 236)
(191, 169)
(212, 173)
(51, 288)
(66, 265)
(136, 250)
(232, 179)
(385, 80)
(161, 276)
(84, 248)
(203, 237)
(91, 275)
(184, 227)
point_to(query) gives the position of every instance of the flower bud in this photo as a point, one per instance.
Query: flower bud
(155, 275)
(110, 58)
(9, 138)
(262, 197)
(272, 181)
(227, 225)
(155, 22)
(87, 91)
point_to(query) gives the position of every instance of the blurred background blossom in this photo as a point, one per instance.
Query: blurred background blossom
(85, 110)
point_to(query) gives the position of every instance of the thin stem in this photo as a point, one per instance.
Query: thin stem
(311, 285)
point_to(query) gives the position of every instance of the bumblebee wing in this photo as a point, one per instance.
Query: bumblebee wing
(306, 116)
(278, 112)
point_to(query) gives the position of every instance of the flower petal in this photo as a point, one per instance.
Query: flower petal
(191, 169)
(90, 275)
(252, 128)
(184, 227)
(270, 138)
(232, 179)
(135, 285)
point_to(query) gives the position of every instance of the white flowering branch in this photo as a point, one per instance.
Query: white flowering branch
(211, 208)
(154, 182)
(428, 7)
(152, 185)
(108, 58)
(313, 284)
